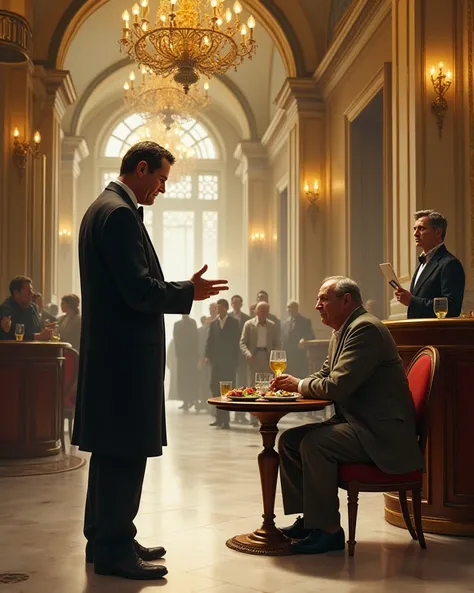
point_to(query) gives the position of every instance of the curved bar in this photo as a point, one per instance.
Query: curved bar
(448, 490)
(31, 406)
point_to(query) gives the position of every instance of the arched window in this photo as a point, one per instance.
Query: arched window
(184, 223)
(193, 135)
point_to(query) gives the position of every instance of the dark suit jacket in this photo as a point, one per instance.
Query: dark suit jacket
(290, 339)
(443, 276)
(364, 376)
(28, 317)
(222, 350)
(120, 401)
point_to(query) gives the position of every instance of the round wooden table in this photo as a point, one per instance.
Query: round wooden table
(268, 540)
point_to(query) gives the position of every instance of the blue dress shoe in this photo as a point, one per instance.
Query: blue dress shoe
(297, 530)
(319, 542)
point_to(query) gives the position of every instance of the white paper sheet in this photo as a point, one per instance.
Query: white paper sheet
(390, 275)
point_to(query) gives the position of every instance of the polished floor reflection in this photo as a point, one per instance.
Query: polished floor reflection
(204, 490)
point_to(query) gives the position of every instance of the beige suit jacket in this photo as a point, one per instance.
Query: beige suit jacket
(248, 339)
(365, 378)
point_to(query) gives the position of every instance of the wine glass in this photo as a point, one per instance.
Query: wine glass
(278, 361)
(262, 381)
(55, 336)
(440, 307)
(19, 332)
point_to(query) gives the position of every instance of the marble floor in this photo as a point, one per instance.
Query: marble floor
(204, 490)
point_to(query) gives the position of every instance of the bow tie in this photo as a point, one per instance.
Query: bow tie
(140, 212)
(422, 259)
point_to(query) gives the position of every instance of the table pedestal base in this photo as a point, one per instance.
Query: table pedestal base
(263, 542)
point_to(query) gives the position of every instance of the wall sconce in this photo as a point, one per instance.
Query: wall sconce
(312, 195)
(65, 235)
(22, 149)
(223, 264)
(441, 84)
(257, 239)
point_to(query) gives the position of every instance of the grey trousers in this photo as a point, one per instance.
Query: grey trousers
(309, 458)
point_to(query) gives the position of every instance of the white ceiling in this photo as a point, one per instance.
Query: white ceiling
(95, 48)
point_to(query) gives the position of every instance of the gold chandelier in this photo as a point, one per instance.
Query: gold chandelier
(189, 38)
(163, 98)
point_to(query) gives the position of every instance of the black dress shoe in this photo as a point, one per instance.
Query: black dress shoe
(319, 542)
(297, 530)
(132, 567)
(146, 554)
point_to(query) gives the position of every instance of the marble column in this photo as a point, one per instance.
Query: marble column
(300, 122)
(74, 149)
(431, 167)
(56, 92)
(257, 217)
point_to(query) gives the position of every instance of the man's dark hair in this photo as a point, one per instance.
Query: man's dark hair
(203, 319)
(262, 292)
(437, 220)
(237, 296)
(17, 283)
(223, 302)
(150, 152)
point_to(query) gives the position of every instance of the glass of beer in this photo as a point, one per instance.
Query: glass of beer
(278, 361)
(19, 332)
(225, 387)
(55, 337)
(440, 307)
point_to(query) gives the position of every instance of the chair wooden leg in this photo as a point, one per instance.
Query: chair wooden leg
(352, 507)
(402, 495)
(416, 500)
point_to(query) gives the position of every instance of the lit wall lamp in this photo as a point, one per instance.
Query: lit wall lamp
(65, 236)
(441, 84)
(312, 196)
(223, 264)
(257, 239)
(21, 150)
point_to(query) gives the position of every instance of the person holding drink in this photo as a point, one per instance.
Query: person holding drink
(439, 274)
(19, 309)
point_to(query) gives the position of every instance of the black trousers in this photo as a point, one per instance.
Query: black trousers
(113, 498)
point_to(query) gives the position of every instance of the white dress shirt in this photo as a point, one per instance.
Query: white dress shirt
(222, 321)
(428, 256)
(130, 193)
(261, 335)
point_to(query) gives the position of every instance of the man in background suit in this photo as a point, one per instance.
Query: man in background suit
(438, 274)
(259, 337)
(294, 331)
(186, 347)
(222, 352)
(262, 297)
(236, 303)
(374, 421)
(120, 414)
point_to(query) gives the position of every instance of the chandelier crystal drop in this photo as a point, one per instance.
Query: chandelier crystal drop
(189, 38)
(161, 98)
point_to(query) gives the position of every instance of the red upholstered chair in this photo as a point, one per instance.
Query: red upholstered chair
(71, 368)
(358, 477)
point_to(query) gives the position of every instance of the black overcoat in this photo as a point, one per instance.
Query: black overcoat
(222, 351)
(120, 401)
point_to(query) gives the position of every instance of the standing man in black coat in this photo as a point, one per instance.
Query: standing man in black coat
(438, 274)
(294, 331)
(236, 303)
(120, 414)
(222, 352)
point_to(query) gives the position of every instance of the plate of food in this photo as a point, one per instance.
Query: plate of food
(281, 396)
(247, 394)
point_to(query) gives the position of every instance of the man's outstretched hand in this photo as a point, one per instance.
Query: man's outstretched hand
(203, 289)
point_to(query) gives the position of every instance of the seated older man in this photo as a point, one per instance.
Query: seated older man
(374, 420)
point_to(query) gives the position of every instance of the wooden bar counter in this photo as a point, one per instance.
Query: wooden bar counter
(448, 491)
(31, 407)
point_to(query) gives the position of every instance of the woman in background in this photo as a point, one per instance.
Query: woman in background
(69, 324)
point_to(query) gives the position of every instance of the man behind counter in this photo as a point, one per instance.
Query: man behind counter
(438, 274)
(19, 308)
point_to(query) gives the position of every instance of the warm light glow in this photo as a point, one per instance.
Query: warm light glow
(244, 30)
(228, 15)
(126, 17)
(433, 71)
(213, 3)
(306, 187)
(16, 133)
(206, 40)
(37, 138)
(126, 87)
(449, 75)
(136, 10)
(251, 22)
(441, 65)
(237, 8)
(316, 186)
(64, 233)
(132, 76)
(257, 237)
(206, 86)
(144, 3)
